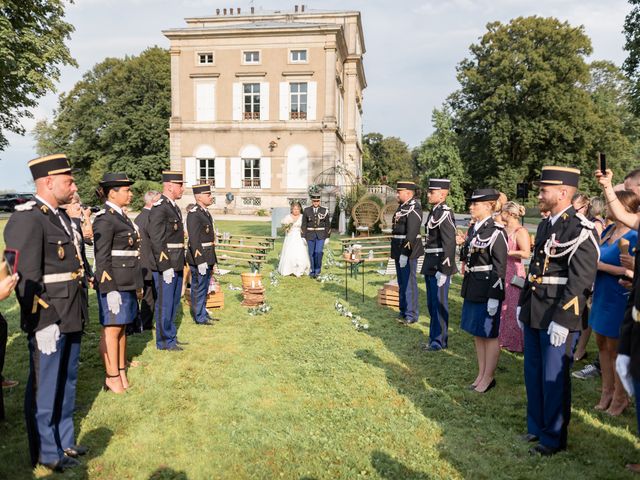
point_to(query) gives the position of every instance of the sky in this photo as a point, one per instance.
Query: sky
(412, 49)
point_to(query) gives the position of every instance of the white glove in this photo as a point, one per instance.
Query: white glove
(492, 306)
(326, 241)
(403, 261)
(441, 278)
(634, 314)
(47, 338)
(622, 367)
(167, 275)
(557, 333)
(202, 269)
(520, 324)
(114, 300)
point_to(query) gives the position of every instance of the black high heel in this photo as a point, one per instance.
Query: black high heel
(489, 387)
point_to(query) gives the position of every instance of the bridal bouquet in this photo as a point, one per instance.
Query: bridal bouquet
(287, 223)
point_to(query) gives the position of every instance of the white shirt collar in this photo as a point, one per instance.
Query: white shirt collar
(115, 207)
(172, 202)
(478, 224)
(557, 215)
(54, 210)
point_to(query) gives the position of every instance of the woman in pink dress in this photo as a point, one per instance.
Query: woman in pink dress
(519, 244)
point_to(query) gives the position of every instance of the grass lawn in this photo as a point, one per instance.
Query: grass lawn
(300, 394)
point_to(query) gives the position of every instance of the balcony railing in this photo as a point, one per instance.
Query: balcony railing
(251, 182)
(210, 181)
(298, 115)
(382, 191)
(252, 115)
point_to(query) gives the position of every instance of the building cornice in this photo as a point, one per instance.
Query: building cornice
(284, 30)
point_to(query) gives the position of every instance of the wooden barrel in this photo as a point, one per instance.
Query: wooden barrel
(251, 280)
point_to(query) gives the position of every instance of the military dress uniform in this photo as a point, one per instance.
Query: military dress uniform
(201, 250)
(406, 241)
(52, 290)
(485, 258)
(166, 233)
(439, 260)
(117, 259)
(147, 265)
(316, 228)
(561, 273)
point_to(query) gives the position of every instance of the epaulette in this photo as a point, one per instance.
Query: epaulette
(585, 222)
(25, 206)
(112, 211)
(411, 202)
(100, 212)
(445, 207)
(498, 225)
(194, 209)
(158, 202)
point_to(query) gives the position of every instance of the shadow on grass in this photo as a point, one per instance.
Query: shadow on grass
(390, 468)
(477, 430)
(166, 473)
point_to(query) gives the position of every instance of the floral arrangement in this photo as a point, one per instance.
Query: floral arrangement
(356, 320)
(328, 277)
(234, 289)
(330, 260)
(259, 310)
(274, 278)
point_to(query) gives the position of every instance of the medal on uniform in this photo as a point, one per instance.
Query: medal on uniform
(175, 227)
(207, 229)
(131, 241)
(60, 251)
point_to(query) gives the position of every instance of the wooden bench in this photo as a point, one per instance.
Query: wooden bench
(259, 239)
(236, 246)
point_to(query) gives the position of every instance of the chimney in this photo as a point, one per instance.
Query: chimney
(302, 8)
(217, 11)
(231, 11)
(253, 10)
(295, 9)
(238, 10)
(224, 10)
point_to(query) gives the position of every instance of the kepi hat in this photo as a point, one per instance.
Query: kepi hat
(439, 184)
(55, 164)
(554, 175)
(406, 185)
(484, 195)
(201, 188)
(172, 176)
(118, 179)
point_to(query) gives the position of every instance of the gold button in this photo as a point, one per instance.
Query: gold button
(537, 264)
(123, 265)
(533, 288)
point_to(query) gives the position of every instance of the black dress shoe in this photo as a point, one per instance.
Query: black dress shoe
(206, 322)
(409, 322)
(543, 450)
(75, 451)
(489, 387)
(529, 437)
(62, 464)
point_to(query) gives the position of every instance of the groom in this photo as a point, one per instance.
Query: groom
(316, 227)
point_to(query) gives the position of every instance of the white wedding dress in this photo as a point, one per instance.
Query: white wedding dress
(294, 259)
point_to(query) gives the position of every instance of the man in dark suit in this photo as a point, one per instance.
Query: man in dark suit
(145, 314)
(201, 253)
(52, 293)
(561, 273)
(439, 262)
(166, 232)
(316, 229)
(406, 248)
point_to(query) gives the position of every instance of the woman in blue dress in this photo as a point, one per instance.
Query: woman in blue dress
(609, 303)
(485, 257)
(118, 275)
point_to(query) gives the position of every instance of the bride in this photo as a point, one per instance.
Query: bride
(294, 259)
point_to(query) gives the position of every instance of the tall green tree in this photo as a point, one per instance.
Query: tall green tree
(386, 160)
(522, 102)
(631, 65)
(439, 157)
(114, 119)
(32, 51)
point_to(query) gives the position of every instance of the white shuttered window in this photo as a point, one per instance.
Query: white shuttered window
(205, 102)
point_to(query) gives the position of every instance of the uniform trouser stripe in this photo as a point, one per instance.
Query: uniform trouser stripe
(50, 398)
(547, 374)
(199, 290)
(408, 285)
(166, 309)
(438, 306)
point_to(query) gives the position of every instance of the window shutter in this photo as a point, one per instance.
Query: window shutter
(236, 172)
(190, 169)
(264, 100)
(220, 172)
(265, 172)
(237, 101)
(205, 102)
(284, 100)
(312, 95)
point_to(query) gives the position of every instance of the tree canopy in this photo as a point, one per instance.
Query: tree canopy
(32, 51)
(114, 119)
(386, 160)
